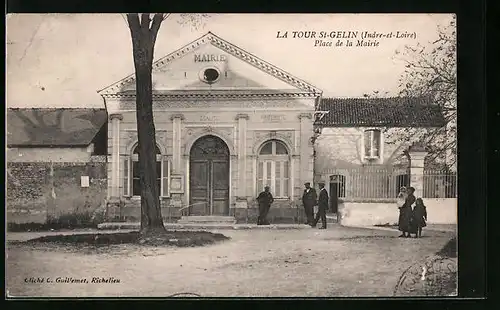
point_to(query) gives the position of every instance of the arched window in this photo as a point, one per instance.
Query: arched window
(132, 176)
(273, 168)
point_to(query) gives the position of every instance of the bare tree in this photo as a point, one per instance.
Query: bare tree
(144, 31)
(432, 71)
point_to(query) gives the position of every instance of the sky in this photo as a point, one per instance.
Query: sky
(62, 60)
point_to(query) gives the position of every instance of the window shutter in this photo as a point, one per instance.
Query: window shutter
(376, 143)
(368, 144)
(126, 176)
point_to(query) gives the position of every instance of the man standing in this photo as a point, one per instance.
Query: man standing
(322, 206)
(309, 201)
(265, 200)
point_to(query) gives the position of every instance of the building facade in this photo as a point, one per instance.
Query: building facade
(227, 124)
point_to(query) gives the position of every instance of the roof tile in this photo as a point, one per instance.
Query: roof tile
(380, 112)
(53, 127)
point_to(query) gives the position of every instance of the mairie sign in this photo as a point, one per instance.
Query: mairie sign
(209, 58)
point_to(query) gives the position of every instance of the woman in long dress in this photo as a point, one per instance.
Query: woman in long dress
(406, 213)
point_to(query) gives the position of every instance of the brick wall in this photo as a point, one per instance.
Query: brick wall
(37, 190)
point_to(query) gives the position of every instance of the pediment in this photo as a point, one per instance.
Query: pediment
(235, 70)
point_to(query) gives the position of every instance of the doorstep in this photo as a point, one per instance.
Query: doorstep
(207, 226)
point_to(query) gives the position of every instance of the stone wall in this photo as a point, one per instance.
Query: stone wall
(439, 211)
(38, 190)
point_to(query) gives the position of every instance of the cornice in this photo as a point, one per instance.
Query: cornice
(224, 45)
(131, 96)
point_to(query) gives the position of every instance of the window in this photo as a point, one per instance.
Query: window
(337, 183)
(273, 169)
(372, 143)
(210, 75)
(132, 177)
(402, 180)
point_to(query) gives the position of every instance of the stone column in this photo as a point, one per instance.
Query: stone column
(417, 154)
(241, 199)
(176, 142)
(115, 156)
(306, 132)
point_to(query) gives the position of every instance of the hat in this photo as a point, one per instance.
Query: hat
(321, 182)
(307, 183)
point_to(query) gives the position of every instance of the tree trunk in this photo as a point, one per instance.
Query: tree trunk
(143, 40)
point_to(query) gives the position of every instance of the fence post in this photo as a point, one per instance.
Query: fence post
(417, 154)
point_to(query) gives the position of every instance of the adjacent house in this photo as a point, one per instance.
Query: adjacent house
(56, 162)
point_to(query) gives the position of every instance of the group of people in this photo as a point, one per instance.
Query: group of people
(309, 199)
(411, 218)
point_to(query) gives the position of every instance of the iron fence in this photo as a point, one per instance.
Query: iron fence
(439, 184)
(385, 183)
(367, 183)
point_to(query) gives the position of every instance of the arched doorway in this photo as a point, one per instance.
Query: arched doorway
(209, 177)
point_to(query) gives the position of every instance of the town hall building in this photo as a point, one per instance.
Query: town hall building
(229, 123)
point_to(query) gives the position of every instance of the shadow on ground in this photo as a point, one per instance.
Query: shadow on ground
(170, 238)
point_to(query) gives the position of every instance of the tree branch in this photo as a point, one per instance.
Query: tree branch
(59, 116)
(39, 117)
(133, 23)
(145, 21)
(24, 118)
(155, 26)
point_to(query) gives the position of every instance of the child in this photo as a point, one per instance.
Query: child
(401, 197)
(419, 217)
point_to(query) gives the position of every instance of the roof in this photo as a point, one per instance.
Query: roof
(210, 38)
(53, 127)
(380, 112)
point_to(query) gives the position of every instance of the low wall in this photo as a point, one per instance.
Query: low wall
(370, 213)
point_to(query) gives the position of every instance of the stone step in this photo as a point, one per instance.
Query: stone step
(207, 219)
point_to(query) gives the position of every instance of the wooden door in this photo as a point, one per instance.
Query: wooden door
(199, 188)
(209, 177)
(334, 197)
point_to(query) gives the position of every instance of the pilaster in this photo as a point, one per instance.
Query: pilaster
(242, 155)
(306, 132)
(176, 141)
(115, 156)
